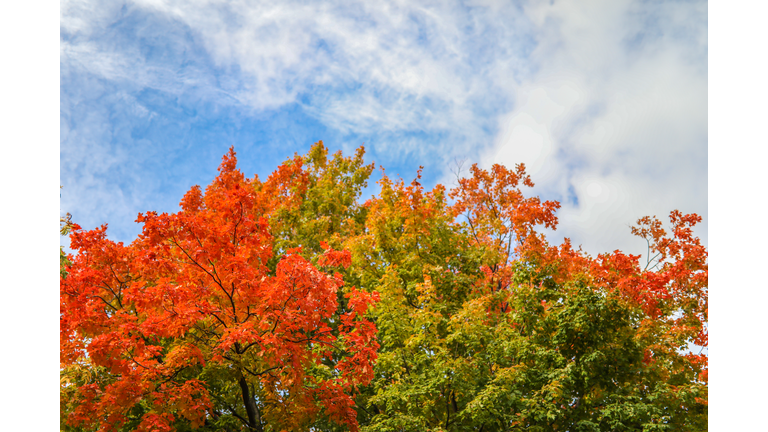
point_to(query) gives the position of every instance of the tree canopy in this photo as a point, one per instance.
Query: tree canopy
(290, 304)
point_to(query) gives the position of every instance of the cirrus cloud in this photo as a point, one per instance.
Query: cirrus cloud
(605, 101)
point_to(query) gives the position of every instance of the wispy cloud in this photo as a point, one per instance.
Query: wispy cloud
(360, 67)
(605, 101)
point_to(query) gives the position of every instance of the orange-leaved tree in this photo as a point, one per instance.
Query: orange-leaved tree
(244, 312)
(198, 323)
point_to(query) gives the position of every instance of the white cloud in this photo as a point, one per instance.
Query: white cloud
(616, 114)
(606, 100)
(360, 67)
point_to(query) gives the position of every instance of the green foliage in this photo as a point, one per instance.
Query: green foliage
(65, 226)
(482, 325)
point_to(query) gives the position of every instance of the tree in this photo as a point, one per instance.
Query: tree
(485, 326)
(290, 304)
(198, 324)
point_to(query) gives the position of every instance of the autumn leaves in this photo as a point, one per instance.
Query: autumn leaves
(288, 304)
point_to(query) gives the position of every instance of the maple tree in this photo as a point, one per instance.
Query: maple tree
(197, 323)
(288, 304)
(484, 326)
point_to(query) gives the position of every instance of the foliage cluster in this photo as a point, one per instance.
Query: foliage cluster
(289, 304)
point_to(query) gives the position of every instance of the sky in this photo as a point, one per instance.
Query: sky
(604, 101)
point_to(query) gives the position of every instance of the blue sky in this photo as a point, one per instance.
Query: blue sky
(605, 101)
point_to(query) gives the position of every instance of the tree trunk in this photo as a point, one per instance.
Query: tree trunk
(254, 419)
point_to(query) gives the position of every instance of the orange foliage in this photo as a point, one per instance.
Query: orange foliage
(195, 291)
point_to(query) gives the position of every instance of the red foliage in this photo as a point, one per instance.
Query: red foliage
(195, 289)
